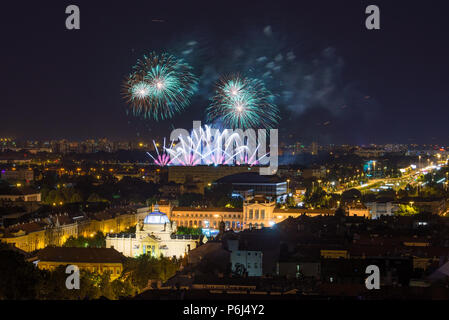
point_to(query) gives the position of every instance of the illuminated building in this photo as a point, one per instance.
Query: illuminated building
(155, 235)
(245, 261)
(18, 175)
(207, 217)
(314, 148)
(201, 176)
(256, 184)
(21, 196)
(260, 212)
(54, 230)
(256, 213)
(99, 260)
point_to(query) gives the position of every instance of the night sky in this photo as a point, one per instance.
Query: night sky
(335, 81)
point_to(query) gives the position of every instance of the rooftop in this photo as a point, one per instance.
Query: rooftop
(249, 177)
(94, 255)
(156, 217)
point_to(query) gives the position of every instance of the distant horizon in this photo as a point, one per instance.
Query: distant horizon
(150, 142)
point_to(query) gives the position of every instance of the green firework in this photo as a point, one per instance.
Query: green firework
(243, 103)
(159, 86)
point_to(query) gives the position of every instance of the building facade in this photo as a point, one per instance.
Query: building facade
(55, 229)
(155, 235)
(256, 213)
(100, 260)
(247, 262)
(377, 209)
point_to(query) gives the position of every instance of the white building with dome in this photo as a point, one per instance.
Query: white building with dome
(155, 235)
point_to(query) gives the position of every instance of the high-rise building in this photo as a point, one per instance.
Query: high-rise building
(314, 148)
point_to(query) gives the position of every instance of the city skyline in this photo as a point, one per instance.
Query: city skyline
(224, 153)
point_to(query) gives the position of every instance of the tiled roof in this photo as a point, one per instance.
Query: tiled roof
(27, 227)
(302, 211)
(249, 177)
(94, 255)
(103, 215)
(63, 219)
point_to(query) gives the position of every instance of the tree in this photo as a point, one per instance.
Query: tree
(67, 193)
(22, 280)
(94, 197)
(59, 197)
(187, 230)
(80, 242)
(291, 203)
(407, 210)
(189, 199)
(150, 201)
(141, 269)
(97, 241)
(92, 286)
(51, 197)
(44, 194)
(316, 197)
(123, 288)
(18, 278)
(351, 195)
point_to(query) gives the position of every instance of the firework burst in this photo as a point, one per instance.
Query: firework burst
(207, 146)
(243, 103)
(159, 86)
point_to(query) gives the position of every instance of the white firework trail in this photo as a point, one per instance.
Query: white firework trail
(207, 147)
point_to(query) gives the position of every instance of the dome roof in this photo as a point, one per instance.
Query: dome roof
(156, 217)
